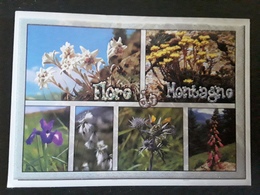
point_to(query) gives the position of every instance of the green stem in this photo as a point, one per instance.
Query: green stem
(62, 161)
(62, 152)
(30, 164)
(45, 155)
(39, 157)
(151, 162)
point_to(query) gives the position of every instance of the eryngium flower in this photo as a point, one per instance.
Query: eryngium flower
(147, 144)
(47, 136)
(138, 123)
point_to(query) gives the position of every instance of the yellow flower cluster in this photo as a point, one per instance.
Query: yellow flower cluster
(189, 57)
(196, 43)
(203, 43)
(155, 48)
(175, 55)
(167, 60)
(202, 53)
(180, 33)
(169, 53)
(201, 61)
(173, 48)
(186, 40)
(212, 55)
(164, 53)
(163, 46)
(188, 81)
(204, 38)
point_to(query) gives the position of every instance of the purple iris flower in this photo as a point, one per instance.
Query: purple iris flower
(47, 136)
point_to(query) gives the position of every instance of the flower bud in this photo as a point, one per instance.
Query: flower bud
(216, 148)
(216, 158)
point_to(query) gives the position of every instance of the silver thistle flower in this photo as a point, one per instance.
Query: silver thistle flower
(138, 123)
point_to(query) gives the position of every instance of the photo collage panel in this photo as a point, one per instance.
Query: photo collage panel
(110, 99)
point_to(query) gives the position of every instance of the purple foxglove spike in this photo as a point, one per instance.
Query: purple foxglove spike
(32, 136)
(46, 127)
(57, 138)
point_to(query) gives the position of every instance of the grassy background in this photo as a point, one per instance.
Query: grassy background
(228, 153)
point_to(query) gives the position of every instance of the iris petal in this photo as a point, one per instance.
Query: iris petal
(32, 136)
(47, 137)
(46, 126)
(57, 138)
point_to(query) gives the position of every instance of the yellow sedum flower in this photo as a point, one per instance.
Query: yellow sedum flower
(149, 57)
(180, 33)
(166, 51)
(158, 54)
(196, 42)
(167, 60)
(184, 39)
(154, 48)
(189, 57)
(212, 55)
(201, 61)
(203, 43)
(203, 38)
(182, 43)
(175, 55)
(176, 47)
(164, 45)
(201, 53)
(188, 81)
(162, 63)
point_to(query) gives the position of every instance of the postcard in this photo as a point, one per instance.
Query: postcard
(103, 100)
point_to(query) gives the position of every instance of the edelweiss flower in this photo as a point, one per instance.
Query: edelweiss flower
(44, 76)
(115, 48)
(67, 51)
(67, 66)
(49, 58)
(47, 136)
(87, 58)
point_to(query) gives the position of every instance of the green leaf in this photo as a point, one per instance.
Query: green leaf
(133, 167)
(124, 131)
(123, 145)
